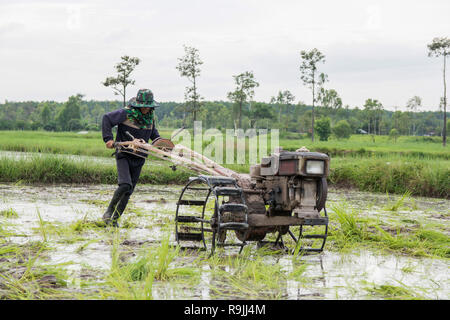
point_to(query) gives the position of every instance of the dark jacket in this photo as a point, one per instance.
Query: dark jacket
(119, 118)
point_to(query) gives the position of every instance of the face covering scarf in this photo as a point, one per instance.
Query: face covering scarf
(143, 121)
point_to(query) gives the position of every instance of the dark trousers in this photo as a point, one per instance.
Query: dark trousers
(129, 170)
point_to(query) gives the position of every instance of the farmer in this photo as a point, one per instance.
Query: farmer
(138, 119)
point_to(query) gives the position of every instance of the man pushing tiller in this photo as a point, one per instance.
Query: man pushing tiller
(137, 119)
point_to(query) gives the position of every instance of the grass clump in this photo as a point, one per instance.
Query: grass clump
(248, 275)
(55, 169)
(23, 277)
(135, 279)
(415, 177)
(349, 229)
(397, 204)
(9, 213)
(392, 292)
(352, 229)
(68, 233)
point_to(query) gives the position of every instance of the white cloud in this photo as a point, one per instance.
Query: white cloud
(52, 49)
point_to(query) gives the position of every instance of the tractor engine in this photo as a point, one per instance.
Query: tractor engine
(293, 182)
(286, 189)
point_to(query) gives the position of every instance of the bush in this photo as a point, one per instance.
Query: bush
(75, 125)
(92, 127)
(418, 177)
(323, 128)
(342, 130)
(394, 134)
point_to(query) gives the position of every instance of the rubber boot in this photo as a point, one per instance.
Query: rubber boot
(120, 209)
(110, 215)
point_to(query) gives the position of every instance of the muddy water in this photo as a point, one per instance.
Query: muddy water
(329, 275)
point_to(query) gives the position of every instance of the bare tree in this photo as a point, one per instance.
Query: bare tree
(284, 98)
(441, 47)
(189, 67)
(120, 83)
(329, 98)
(373, 110)
(245, 84)
(413, 105)
(310, 76)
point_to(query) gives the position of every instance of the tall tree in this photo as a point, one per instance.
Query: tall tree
(413, 105)
(260, 111)
(284, 98)
(97, 113)
(120, 82)
(45, 114)
(70, 113)
(441, 47)
(310, 76)
(329, 98)
(373, 110)
(188, 66)
(245, 85)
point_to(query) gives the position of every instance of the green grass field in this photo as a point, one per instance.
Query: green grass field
(366, 145)
(358, 145)
(420, 165)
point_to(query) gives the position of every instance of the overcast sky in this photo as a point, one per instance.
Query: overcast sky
(50, 50)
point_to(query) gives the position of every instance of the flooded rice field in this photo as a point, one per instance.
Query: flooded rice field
(53, 246)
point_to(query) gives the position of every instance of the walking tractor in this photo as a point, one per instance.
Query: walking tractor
(284, 195)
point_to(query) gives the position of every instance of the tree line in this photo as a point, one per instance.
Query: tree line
(292, 119)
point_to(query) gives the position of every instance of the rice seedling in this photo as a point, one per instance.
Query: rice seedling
(24, 278)
(235, 287)
(96, 202)
(413, 204)
(408, 269)
(396, 205)
(9, 213)
(5, 233)
(118, 278)
(165, 255)
(73, 232)
(247, 275)
(351, 228)
(298, 273)
(418, 242)
(42, 226)
(85, 245)
(437, 243)
(392, 292)
(134, 279)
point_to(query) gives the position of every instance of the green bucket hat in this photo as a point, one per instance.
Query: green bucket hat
(143, 99)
